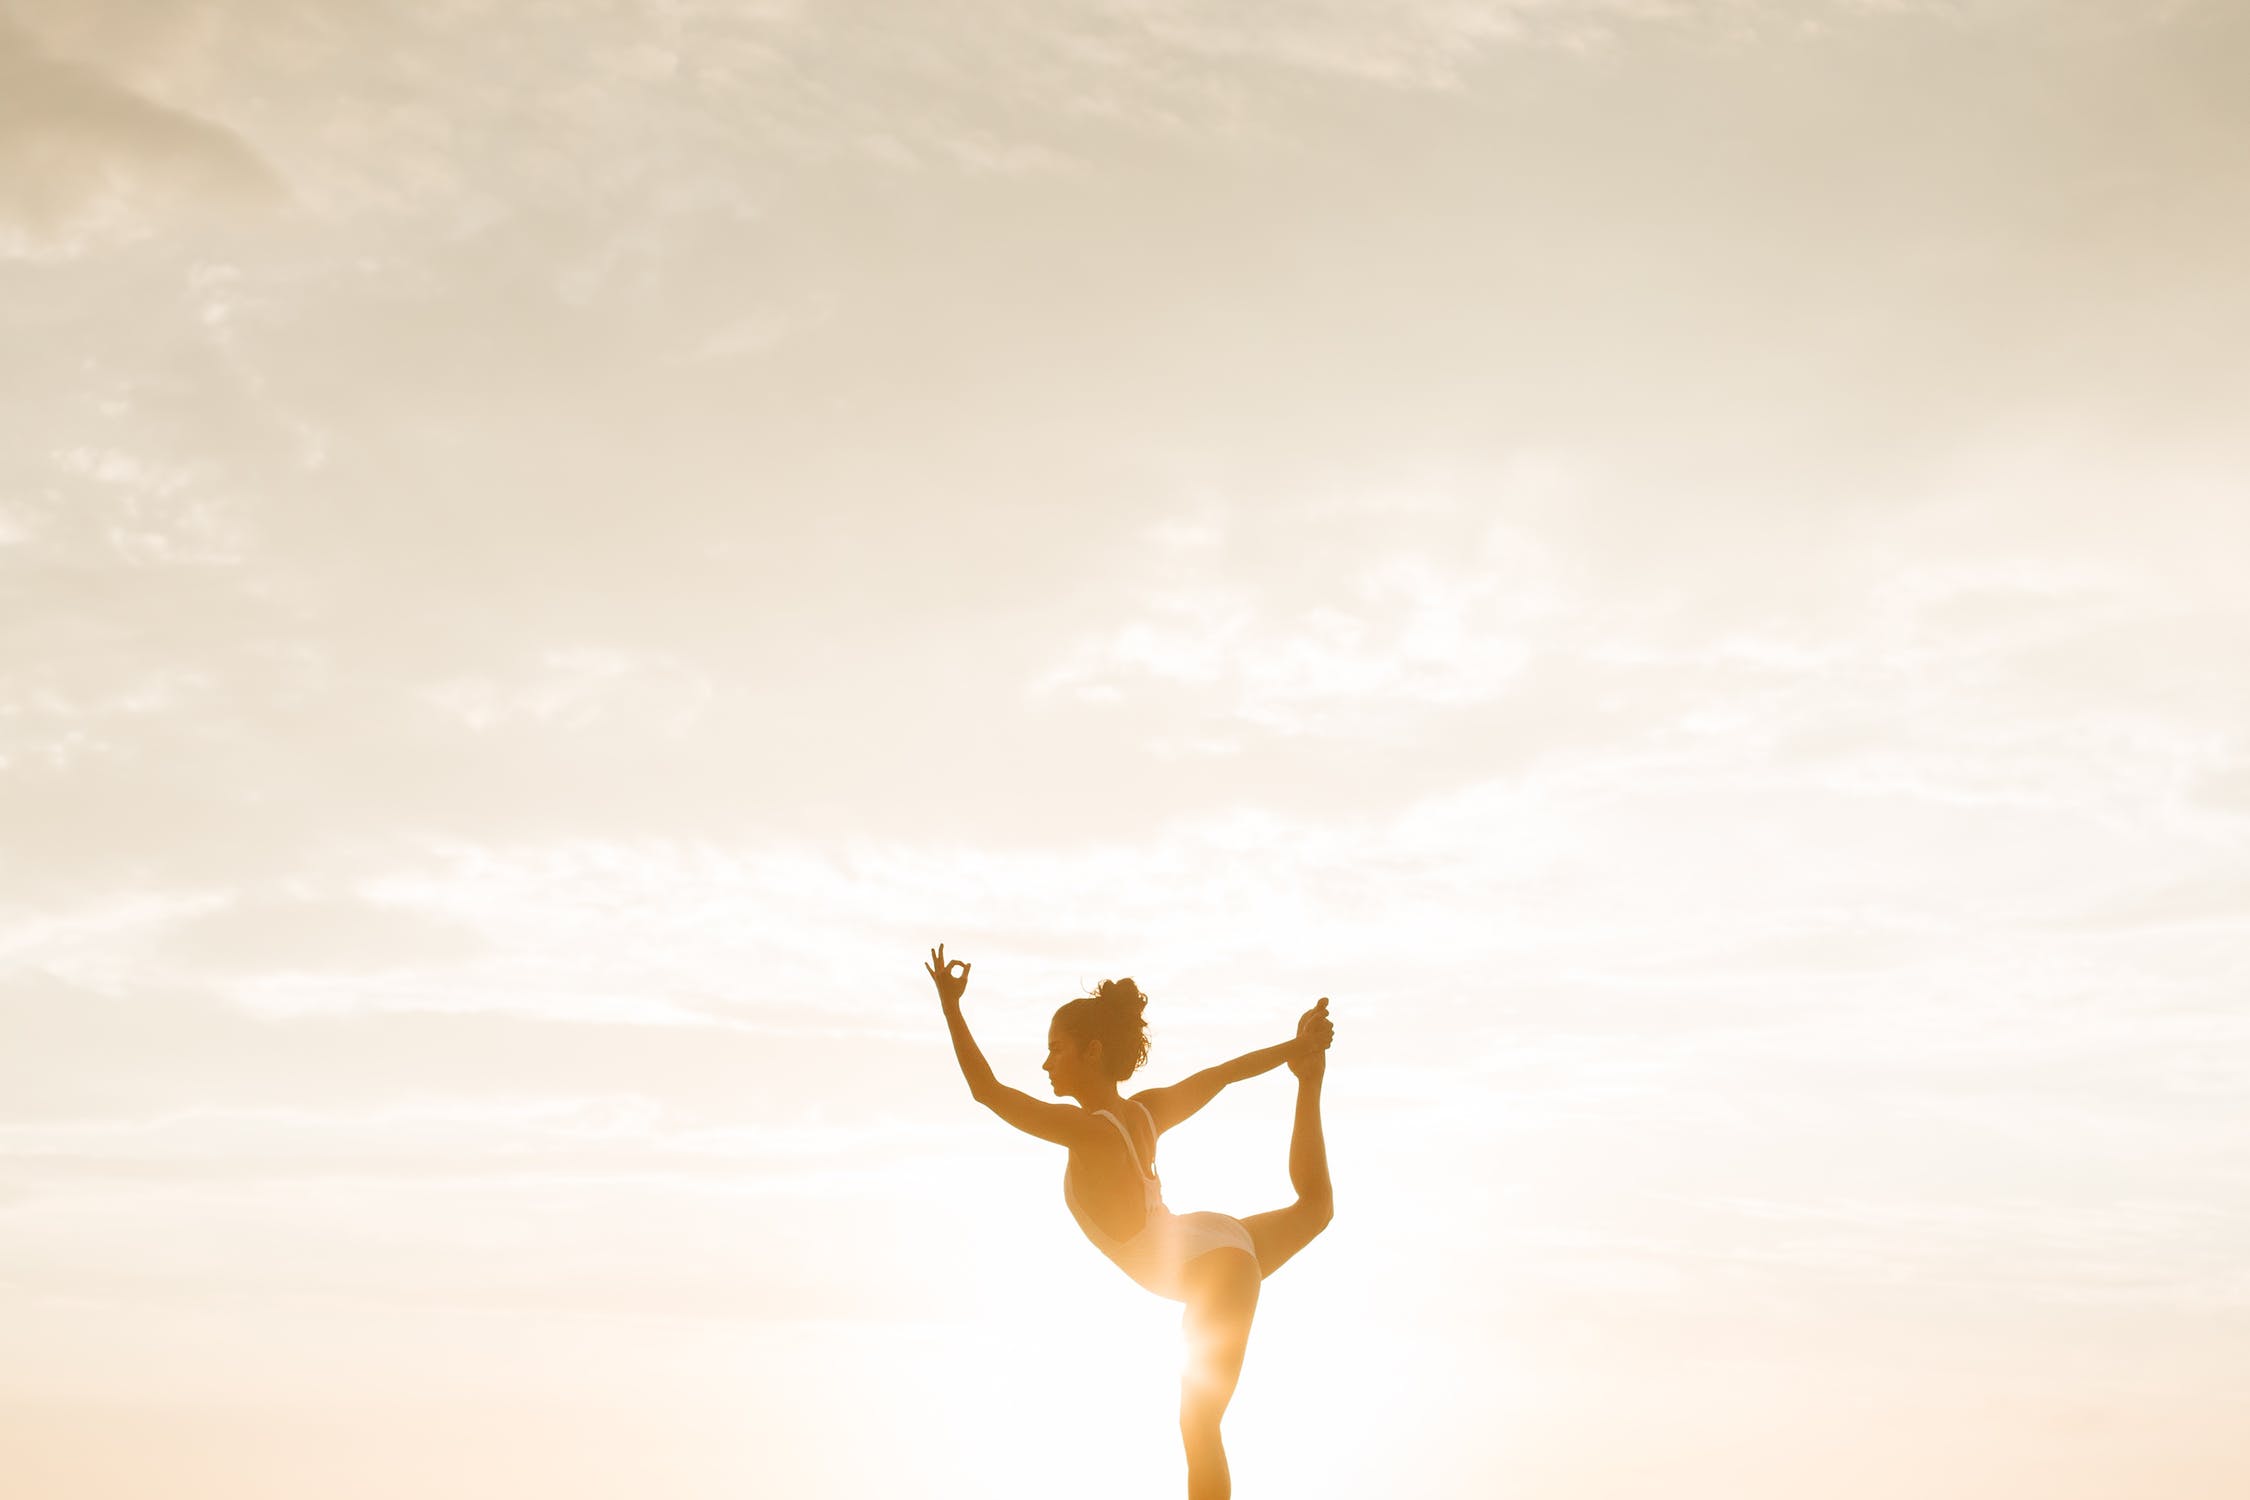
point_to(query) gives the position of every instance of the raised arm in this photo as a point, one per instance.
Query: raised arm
(951, 987)
(1060, 1123)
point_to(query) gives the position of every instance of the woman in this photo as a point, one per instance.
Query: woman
(1208, 1261)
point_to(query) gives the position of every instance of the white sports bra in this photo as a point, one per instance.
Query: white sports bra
(1152, 1187)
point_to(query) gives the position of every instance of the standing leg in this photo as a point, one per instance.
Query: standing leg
(1222, 1296)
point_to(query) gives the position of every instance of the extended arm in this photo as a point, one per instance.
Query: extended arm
(1060, 1123)
(1169, 1106)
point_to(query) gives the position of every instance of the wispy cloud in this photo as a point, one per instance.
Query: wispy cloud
(85, 160)
(576, 689)
(1361, 632)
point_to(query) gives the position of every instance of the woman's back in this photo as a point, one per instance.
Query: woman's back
(1113, 1189)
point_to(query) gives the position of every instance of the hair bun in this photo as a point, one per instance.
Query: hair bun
(1112, 1013)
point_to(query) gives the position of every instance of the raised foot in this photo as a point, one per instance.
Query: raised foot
(1315, 1033)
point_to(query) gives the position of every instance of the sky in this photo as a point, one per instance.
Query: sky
(1679, 561)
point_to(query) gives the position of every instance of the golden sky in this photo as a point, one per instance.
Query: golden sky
(1682, 561)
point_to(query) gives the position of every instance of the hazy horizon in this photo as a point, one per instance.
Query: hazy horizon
(1680, 561)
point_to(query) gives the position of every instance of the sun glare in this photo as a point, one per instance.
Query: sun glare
(1062, 1339)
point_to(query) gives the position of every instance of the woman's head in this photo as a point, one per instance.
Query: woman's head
(1101, 1033)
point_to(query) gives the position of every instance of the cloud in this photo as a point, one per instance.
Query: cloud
(685, 106)
(156, 1046)
(311, 933)
(2149, 1250)
(1421, 44)
(581, 688)
(519, 1140)
(85, 161)
(1364, 632)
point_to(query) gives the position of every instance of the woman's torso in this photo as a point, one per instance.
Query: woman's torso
(1108, 1183)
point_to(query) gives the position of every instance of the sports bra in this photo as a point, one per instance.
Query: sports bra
(1152, 1187)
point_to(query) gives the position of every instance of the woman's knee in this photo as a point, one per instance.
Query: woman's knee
(1203, 1405)
(1200, 1414)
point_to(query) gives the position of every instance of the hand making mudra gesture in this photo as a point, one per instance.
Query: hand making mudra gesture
(949, 984)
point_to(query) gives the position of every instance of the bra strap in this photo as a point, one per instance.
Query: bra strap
(1132, 1150)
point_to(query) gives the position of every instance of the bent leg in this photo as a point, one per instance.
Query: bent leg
(1222, 1297)
(1285, 1231)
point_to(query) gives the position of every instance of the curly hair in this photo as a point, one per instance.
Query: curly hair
(1111, 1015)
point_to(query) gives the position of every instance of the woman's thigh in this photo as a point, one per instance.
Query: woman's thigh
(1222, 1298)
(1283, 1232)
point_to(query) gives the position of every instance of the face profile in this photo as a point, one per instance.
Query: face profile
(1069, 1059)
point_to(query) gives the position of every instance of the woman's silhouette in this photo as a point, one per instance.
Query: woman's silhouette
(1208, 1261)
